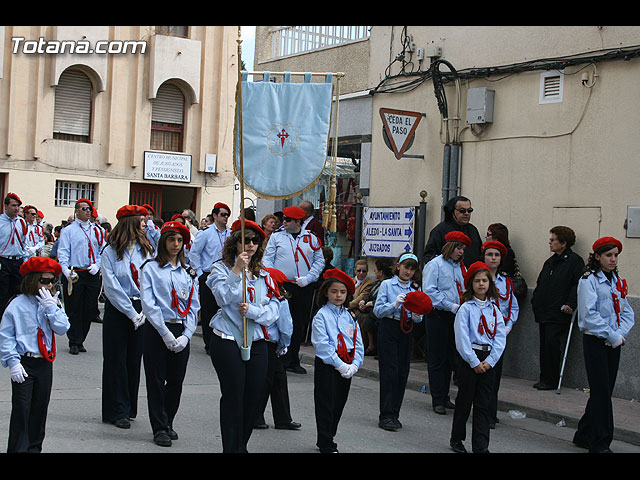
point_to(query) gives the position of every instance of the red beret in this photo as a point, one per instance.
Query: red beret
(40, 214)
(222, 205)
(27, 207)
(418, 302)
(40, 264)
(15, 197)
(129, 210)
(340, 275)
(149, 208)
(607, 241)
(497, 245)
(276, 275)
(176, 216)
(457, 236)
(179, 228)
(472, 270)
(248, 224)
(294, 212)
(86, 200)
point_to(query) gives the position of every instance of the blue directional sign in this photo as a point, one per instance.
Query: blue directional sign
(387, 231)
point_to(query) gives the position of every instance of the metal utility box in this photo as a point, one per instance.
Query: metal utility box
(480, 105)
(633, 221)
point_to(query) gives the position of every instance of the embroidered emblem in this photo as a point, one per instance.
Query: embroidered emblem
(282, 139)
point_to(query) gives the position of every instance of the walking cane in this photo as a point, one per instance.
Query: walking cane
(566, 350)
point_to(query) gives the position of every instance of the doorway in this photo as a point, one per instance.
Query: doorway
(165, 200)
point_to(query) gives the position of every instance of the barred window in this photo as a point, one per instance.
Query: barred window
(68, 193)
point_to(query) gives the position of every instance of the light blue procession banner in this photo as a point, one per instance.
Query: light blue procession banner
(285, 130)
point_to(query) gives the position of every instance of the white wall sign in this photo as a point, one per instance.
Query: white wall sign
(172, 167)
(400, 126)
(387, 231)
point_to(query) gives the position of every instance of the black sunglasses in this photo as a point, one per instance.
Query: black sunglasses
(86, 209)
(255, 240)
(464, 210)
(224, 214)
(46, 280)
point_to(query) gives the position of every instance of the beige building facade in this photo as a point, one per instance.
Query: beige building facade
(118, 114)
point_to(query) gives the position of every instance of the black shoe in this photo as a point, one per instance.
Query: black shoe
(439, 409)
(289, 426)
(449, 404)
(545, 386)
(81, 348)
(172, 433)
(370, 353)
(486, 450)
(122, 423)
(388, 424)
(162, 438)
(261, 426)
(296, 369)
(457, 446)
(73, 349)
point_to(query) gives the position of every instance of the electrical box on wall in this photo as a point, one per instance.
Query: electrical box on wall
(632, 223)
(480, 105)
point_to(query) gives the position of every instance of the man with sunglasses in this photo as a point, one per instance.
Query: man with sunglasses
(13, 238)
(79, 256)
(205, 250)
(35, 234)
(457, 217)
(297, 253)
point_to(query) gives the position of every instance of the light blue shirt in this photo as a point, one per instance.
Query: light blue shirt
(19, 327)
(501, 285)
(153, 234)
(327, 323)
(596, 312)
(227, 290)
(156, 284)
(35, 238)
(465, 327)
(73, 248)
(280, 331)
(117, 277)
(207, 248)
(385, 301)
(295, 257)
(13, 236)
(440, 280)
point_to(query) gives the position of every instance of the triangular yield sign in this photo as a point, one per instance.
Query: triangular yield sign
(400, 126)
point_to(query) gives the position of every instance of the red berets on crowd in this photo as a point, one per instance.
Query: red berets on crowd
(129, 210)
(343, 277)
(177, 216)
(149, 208)
(15, 197)
(607, 241)
(86, 200)
(293, 212)
(418, 302)
(40, 264)
(472, 270)
(248, 224)
(497, 245)
(457, 236)
(222, 205)
(179, 228)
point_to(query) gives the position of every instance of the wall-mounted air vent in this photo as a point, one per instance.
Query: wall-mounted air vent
(551, 86)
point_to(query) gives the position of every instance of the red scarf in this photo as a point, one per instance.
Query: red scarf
(483, 328)
(344, 354)
(49, 355)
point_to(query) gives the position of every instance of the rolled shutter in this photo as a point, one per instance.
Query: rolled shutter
(72, 113)
(168, 106)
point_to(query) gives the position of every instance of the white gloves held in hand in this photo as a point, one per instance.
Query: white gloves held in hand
(93, 269)
(400, 300)
(347, 370)
(18, 373)
(138, 320)
(302, 281)
(46, 299)
(173, 344)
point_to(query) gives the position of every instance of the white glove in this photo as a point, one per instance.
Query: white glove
(93, 269)
(282, 352)
(618, 342)
(169, 340)
(455, 308)
(344, 369)
(32, 250)
(302, 282)
(181, 343)
(400, 300)
(138, 320)
(352, 371)
(45, 298)
(18, 374)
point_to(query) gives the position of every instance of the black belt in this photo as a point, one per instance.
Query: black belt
(13, 257)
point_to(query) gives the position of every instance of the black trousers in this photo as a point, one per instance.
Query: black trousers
(122, 347)
(81, 306)
(300, 305)
(29, 404)
(553, 340)
(164, 373)
(395, 349)
(330, 392)
(442, 356)
(241, 385)
(595, 428)
(275, 388)
(208, 308)
(474, 390)
(10, 280)
(493, 404)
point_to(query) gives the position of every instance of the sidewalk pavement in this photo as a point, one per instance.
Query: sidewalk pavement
(519, 395)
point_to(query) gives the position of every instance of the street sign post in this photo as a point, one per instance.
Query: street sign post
(387, 231)
(400, 126)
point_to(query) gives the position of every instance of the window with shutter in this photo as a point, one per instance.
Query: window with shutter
(167, 113)
(72, 108)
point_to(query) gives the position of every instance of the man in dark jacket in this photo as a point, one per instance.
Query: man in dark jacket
(457, 216)
(554, 300)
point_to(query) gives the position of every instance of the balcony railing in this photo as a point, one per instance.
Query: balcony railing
(294, 40)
